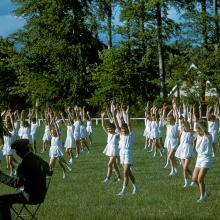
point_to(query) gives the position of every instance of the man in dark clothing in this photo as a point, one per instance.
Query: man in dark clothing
(31, 176)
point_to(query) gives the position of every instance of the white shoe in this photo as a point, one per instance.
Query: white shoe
(154, 154)
(201, 200)
(118, 179)
(122, 193)
(172, 173)
(186, 185)
(64, 175)
(77, 155)
(192, 183)
(106, 180)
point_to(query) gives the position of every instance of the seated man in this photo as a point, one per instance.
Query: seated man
(31, 176)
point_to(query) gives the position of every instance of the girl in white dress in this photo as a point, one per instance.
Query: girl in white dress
(185, 150)
(89, 127)
(34, 128)
(76, 134)
(213, 127)
(125, 147)
(26, 126)
(8, 137)
(70, 143)
(83, 132)
(56, 152)
(154, 129)
(111, 150)
(46, 136)
(146, 133)
(204, 158)
(171, 140)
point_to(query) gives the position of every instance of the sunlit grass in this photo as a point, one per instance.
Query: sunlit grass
(83, 195)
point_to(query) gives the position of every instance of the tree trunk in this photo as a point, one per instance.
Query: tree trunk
(109, 26)
(160, 52)
(142, 20)
(215, 9)
(204, 24)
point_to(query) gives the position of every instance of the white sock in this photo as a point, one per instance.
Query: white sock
(134, 186)
(123, 188)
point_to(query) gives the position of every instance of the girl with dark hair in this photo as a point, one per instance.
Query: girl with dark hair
(204, 158)
(111, 150)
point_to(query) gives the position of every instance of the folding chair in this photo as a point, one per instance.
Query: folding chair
(29, 211)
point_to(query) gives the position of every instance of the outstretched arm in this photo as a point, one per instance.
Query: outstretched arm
(102, 121)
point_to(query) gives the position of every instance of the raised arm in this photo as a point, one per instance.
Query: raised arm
(102, 121)
(129, 124)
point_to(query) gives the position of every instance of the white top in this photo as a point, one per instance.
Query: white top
(34, 127)
(126, 141)
(111, 148)
(172, 131)
(204, 146)
(26, 131)
(212, 126)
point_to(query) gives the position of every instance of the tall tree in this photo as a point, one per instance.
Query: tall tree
(57, 49)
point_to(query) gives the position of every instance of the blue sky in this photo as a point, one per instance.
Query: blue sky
(9, 23)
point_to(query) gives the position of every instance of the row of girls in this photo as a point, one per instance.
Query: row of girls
(186, 132)
(25, 126)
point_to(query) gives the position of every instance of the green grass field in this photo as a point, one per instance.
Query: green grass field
(83, 196)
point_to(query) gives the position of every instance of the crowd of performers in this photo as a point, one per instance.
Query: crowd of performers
(184, 129)
(25, 125)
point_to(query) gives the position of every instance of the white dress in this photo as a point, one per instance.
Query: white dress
(160, 128)
(20, 130)
(8, 140)
(147, 128)
(213, 130)
(70, 141)
(185, 149)
(125, 146)
(83, 131)
(47, 136)
(204, 151)
(111, 149)
(26, 134)
(76, 132)
(89, 127)
(171, 140)
(154, 130)
(34, 127)
(56, 147)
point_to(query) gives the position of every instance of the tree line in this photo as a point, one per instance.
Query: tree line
(63, 61)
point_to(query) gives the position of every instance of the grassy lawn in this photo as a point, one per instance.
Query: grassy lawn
(83, 196)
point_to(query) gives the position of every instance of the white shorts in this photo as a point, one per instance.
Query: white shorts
(55, 152)
(204, 162)
(126, 157)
